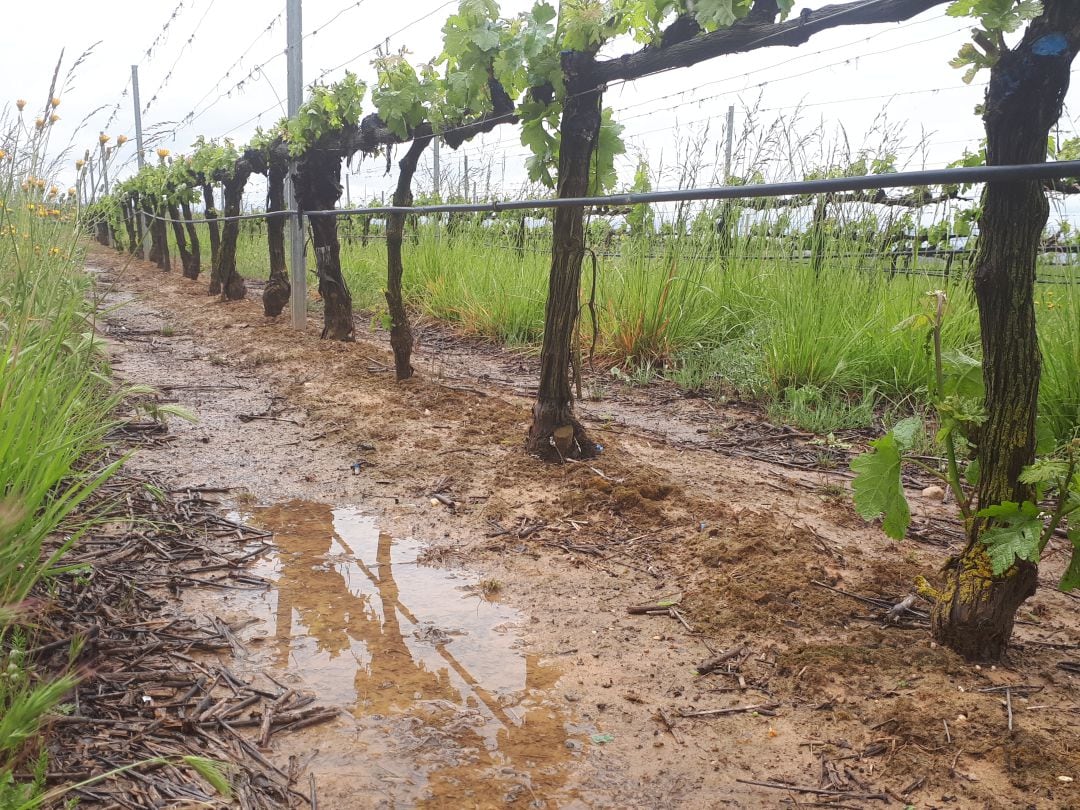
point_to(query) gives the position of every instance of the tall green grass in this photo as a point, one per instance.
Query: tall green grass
(744, 317)
(56, 402)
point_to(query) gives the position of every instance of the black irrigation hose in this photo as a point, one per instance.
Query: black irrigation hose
(959, 176)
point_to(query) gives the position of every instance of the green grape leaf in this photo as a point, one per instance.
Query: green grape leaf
(543, 12)
(539, 169)
(878, 488)
(1046, 470)
(608, 146)
(959, 415)
(1005, 16)
(713, 14)
(963, 375)
(485, 39)
(1015, 534)
(906, 431)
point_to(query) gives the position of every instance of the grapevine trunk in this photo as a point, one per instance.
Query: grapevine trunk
(181, 242)
(401, 338)
(975, 613)
(212, 226)
(129, 226)
(161, 239)
(193, 239)
(276, 294)
(225, 279)
(318, 187)
(555, 433)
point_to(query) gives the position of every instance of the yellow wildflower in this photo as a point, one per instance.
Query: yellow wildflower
(162, 153)
(79, 164)
(121, 140)
(54, 101)
(54, 118)
(20, 104)
(39, 123)
(3, 154)
(103, 138)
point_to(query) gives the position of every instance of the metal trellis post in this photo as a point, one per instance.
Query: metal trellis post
(105, 180)
(297, 269)
(435, 169)
(730, 143)
(139, 156)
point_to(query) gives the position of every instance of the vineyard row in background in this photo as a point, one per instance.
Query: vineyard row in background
(756, 311)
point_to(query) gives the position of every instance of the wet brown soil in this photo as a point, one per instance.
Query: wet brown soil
(482, 653)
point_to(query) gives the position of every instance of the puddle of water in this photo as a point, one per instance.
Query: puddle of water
(443, 707)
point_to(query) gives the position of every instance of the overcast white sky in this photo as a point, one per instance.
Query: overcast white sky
(844, 77)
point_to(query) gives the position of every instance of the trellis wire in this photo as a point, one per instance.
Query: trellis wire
(955, 176)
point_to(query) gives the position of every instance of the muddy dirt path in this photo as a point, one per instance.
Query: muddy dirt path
(482, 654)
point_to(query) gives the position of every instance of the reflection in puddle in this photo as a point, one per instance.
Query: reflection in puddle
(428, 669)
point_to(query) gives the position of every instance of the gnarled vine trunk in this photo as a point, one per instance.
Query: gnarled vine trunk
(142, 227)
(401, 338)
(117, 241)
(318, 188)
(181, 242)
(129, 226)
(101, 232)
(555, 432)
(193, 241)
(1027, 86)
(155, 241)
(212, 226)
(276, 294)
(225, 279)
(160, 230)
